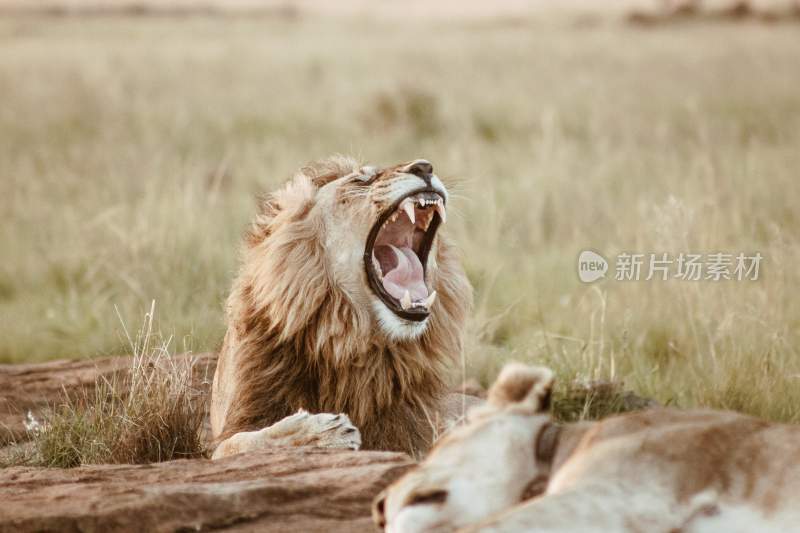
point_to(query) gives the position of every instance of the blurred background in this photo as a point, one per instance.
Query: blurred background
(134, 137)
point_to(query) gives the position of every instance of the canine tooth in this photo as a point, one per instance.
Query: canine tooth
(441, 210)
(405, 301)
(408, 207)
(376, 264)
(429, 301)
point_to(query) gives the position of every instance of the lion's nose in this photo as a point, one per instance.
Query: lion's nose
(420, 168)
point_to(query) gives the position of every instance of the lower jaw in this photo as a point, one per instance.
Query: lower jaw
(411, 317)
(398, 328)
(414, 314)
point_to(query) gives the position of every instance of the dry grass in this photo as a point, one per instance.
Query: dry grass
(149, 414)
(591, 400)
(131, 150)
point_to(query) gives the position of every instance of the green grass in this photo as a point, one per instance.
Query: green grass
(131, 150)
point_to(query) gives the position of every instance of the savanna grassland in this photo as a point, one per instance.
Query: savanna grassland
(132, 148)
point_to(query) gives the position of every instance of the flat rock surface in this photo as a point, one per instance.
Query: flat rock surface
(296, 490)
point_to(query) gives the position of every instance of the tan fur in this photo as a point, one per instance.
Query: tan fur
(301, 332)
(654, 470)
(522, 386)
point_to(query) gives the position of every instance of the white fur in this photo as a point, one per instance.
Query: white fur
(396, 328)
(740, 518)
(411, 183)
(439, 186)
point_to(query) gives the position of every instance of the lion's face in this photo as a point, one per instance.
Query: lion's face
(380, 229)
(495, 461)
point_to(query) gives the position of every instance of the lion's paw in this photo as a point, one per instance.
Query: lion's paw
(323, 430)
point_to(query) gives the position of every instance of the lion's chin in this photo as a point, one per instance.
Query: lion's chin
(395, 327)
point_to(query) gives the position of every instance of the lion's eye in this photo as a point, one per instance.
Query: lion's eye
(366, 175)
(427, 497)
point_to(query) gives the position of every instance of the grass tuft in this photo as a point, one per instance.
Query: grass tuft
(149, 414)
(595, 400)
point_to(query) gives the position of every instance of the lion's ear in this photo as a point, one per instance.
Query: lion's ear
(288, 204)
(529, 387)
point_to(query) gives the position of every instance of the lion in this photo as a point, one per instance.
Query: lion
(511, 468)
(349, 300)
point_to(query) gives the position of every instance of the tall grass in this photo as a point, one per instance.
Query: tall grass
(131, 151)
(149, 413)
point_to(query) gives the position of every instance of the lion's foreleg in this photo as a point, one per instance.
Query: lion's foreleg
(321, 430)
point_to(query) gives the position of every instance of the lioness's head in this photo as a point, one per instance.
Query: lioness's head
(498, 459)
(377, 233)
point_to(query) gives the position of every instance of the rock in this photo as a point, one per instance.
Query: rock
(33, 387)
(302, 490)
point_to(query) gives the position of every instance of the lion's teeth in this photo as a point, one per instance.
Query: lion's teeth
(408, 207)
(441, 210)
(429, 301)
(376, 264)
(405, 301)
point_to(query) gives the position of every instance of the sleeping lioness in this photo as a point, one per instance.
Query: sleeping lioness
(512, 469)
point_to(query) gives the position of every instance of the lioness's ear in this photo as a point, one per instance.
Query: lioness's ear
(528, 387)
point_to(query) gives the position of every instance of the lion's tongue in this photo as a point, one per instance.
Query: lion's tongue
(406, 276)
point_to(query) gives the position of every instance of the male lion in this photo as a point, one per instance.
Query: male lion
(348, 301)
(659, 470)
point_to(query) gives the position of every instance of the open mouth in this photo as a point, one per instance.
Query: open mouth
(396, 255)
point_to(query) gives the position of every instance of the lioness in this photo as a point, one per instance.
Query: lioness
(349, 300)
(659, 471)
